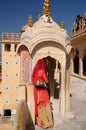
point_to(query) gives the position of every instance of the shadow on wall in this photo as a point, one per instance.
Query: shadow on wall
(21, 120)
(29, 125)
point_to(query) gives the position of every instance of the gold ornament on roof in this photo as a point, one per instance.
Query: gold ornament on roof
(39, 17)
(30, 24)
(49, 17)
(62, 25)
(46, 7)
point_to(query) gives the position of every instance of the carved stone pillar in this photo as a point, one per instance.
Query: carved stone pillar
(62, 94)
(67, 90)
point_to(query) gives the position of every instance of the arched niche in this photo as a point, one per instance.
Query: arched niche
(25, 64)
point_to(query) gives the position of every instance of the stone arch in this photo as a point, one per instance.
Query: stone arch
(53, 68)
(58, 52)
(25, 64)
(72, 50)
(84, 63)
(46, 44)
(22, 48)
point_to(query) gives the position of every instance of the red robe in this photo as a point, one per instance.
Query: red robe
(41, 96)
(43, 115)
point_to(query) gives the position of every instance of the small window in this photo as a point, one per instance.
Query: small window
(7, 63)
(17, 87)
(7, 112)
(6, 102)
(16, 62)
(17, 100)
(6, 75)
(6, 88)
(16, 74)
(7, 47)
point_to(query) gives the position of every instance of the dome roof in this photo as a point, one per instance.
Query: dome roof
(44, 30)
(24, 28)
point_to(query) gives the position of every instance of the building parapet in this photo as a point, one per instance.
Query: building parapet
(79, 25)
(12, 37)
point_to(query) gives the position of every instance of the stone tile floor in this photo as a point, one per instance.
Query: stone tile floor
(77, 115)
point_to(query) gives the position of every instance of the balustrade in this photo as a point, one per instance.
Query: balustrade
(11, 36)
(79, 26)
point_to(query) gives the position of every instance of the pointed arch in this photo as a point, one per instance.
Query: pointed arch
(25, 64)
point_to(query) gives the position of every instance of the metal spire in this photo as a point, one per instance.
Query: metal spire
(30, 24)
(46, 7)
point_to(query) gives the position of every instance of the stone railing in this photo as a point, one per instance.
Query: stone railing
(11, 36)
(78, 27)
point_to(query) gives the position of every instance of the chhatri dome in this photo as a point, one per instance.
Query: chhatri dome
(46, 40)
(45, 28)
(50, 41)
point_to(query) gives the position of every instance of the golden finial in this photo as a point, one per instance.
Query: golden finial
(46, 7)
(39, 17)
(30, 24)
(49, 17)
(62, 25)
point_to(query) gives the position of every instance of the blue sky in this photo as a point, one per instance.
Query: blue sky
(14, 13)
